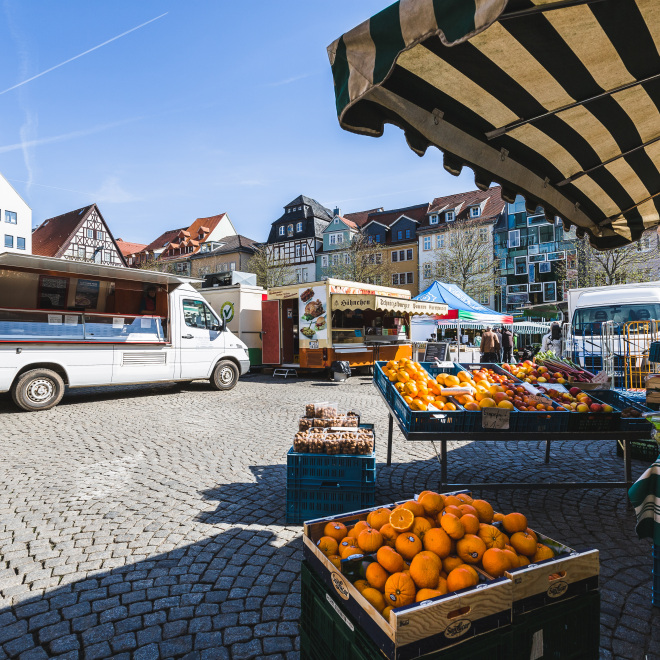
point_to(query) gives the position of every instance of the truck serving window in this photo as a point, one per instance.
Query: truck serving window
(588, 320)
(198, 315)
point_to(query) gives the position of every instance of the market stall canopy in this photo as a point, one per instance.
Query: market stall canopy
(531, 328)
(556, 100)
(371, 301)
(461, 306)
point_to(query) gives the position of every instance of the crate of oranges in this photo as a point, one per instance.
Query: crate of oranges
(428, 573)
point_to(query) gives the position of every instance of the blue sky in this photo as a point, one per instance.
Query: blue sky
(200, 107)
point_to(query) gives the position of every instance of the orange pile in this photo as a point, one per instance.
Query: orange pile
(432, 546)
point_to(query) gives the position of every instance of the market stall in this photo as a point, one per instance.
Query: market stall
(314, 324)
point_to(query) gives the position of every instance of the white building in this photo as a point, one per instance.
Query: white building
(15, 219)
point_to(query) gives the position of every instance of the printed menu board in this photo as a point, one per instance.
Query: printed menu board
(87, 294)
(53, 292)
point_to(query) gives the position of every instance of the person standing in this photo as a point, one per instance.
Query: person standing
(507, 345)
(490, 346)
(552, 341)
(498, 332)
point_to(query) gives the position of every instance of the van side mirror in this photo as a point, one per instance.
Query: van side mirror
(216, 327)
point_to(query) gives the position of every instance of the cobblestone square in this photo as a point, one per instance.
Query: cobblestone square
(149, 522)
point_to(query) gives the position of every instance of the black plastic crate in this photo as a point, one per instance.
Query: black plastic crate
(329, 632)
(642, 450)
(569, 630)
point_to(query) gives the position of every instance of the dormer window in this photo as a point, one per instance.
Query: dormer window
(282, 230)
(399, 235)
(433, 220)
(475, 211)
(299, 226)
(450, 216)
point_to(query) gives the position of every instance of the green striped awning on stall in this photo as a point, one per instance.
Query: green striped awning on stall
(556, 100)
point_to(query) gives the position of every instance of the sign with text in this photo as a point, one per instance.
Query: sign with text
(436, 351)
(495, 418)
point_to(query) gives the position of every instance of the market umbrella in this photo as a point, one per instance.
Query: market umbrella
(556, 100)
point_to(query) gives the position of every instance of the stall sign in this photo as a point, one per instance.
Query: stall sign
(436, 351)
(312, 313)
(87, 294)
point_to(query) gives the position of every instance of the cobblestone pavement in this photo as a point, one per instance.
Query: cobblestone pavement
(149, 522)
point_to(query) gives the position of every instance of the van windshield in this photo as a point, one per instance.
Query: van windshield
(588, 320)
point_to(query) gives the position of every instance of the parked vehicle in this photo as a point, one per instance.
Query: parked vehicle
(79, 324)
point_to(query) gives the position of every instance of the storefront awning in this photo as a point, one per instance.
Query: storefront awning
(386, 303)
(555, 100)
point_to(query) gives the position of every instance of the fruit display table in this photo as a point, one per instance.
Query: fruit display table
(457, 431)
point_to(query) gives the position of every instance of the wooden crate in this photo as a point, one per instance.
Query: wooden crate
(568, 574)
(420, 628)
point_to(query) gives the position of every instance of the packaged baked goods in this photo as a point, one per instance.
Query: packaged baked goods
(325, 410)
(305, 423)
(310, 410)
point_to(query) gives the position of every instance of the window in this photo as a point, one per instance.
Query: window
(107, 256)
(297, 249)
(483, 234)
(514, 238)
(545, 267)
(289, 230)
(407, 233)
(299, 226)
(99, 235)
(536, 288)
(517, 288)
(9, 241)
(428, 269)
(409, 278)
(439, 241)
(89, 233)
(433, 220)
(10, 217)
(427, 242)
(400, 235)
(546, 234)
(379, 258)
(20, 243)
(395, 279)
(409, 255)
(450, 216)
(324, 261)
(347, 258)
(475, 211)
(81, 253)
(303, 249)
(536, 258)
(518, 206)
(501, 264)
(282, 230)
(520, 265)
(402, 255)
(556, 256)
(340, 238)
(333, 239)
(484, 298)
(395, 256)
(379, 238)
(549, 291)
(198, 315)
(335, 260)
(232, 265)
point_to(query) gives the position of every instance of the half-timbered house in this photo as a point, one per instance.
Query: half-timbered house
(81, 235)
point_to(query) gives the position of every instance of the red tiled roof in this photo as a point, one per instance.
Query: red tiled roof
(52, 236)
(127, 248)
(207, 225)
(494, 205)
(360, 218)
(163, 239)
(387, 218)
(348, 222)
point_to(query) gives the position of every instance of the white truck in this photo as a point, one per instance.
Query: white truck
(79, 324)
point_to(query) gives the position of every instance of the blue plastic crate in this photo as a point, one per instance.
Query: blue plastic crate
(470, 366)
(542, 421)
(655, 593)
(302, 468)
(318, 499)
(594, 422)
(654, 351)
(620, 400)
(383, 383)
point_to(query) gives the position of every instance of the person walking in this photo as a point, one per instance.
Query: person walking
(498, 332)
(552, 341)
(507, 345)
(490, 346)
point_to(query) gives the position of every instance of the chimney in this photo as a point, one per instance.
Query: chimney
(337, 211)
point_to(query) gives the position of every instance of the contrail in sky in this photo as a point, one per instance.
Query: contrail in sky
(75, 57)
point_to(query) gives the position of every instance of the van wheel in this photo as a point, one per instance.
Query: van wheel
(225, 375)
(39, 389)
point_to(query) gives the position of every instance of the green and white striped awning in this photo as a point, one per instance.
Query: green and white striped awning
(556, 100)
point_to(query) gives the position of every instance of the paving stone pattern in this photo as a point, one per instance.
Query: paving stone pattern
(148, 522)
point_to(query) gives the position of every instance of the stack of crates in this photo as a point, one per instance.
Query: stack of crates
(320, 485)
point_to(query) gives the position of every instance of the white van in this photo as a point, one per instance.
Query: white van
(79, 324)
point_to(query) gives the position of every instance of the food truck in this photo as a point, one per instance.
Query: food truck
(79, 324)
(311, 325)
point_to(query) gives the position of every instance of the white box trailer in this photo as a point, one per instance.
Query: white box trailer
(79, 324)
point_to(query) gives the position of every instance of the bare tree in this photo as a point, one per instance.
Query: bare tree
(270, 272)
(465, 257)
(361, 261)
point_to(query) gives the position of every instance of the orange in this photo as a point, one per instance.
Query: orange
(498, 517)
(453, 526)
(491, 536)
(327, 545)
(357, 528)
(450, 563)
(466, 508)
(431, 521)
(437, 541)
(542, 552)
(430, 555)
(360, 585)
(470, 523)
(389, 534)
(402, 519)
(399, 590)
(449, 406)
(514, 522)
(386, 612)
(370, 540)
(495, 562)
(522, 560)
(452, 500)
(460, 578)
(420, 527)
(375, 598)
(336, 560)
(432, 503)
(512, 555)
(507, 540)
(532, 534)
(376, 576)
(390, 559)
(453, 509)
(484, 511)
(335, 529)
(348, 551)
(464, 498)
(524, 543)
(442, 584)
(427, 594)
(470, 549)
(416, 508)
(487, 402)
(424, 572)
(408, 545)
(379, 517)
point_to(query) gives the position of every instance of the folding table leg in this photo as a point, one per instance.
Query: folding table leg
(390, 432)
(547, 451)
(626, 461)
(443, 466)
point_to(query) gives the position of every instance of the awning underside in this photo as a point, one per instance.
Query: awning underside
(560, 106)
